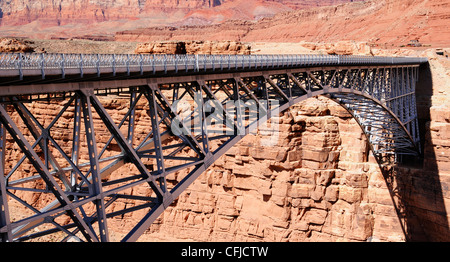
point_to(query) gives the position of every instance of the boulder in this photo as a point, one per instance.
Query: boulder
(194, 47)
(161, 48)
(12, 45)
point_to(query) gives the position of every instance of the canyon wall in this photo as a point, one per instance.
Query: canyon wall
(18, 12)
(60, 12)
(93, 19)
(295, 4)
(385, 23)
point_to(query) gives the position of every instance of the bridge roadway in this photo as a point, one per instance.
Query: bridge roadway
(379, 92)
(38, 70)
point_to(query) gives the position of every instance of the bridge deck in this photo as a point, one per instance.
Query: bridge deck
(43, 69)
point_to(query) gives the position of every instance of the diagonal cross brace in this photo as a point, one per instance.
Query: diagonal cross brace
(193, 143)
(123, 142)
(44, 173)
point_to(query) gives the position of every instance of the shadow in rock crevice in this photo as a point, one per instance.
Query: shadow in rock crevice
(415, 184)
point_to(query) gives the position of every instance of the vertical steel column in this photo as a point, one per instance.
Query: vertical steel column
(161, 170)
(265, 100)
(131, 119)
(401, 99)
(5, 222)
(201, 113)
(396, 88)
(94, 163)
(403, 106)
(52, 185)
(75, 156)
(240, 128)
(415, 127)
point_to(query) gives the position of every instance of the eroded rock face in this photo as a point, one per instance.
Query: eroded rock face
(194, 47)
(60, 12)
(8, 45)
(340, 48)
(384, 23)
(161, 48)
(22, 12)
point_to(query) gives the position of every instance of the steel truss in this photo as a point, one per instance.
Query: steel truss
(86, 183)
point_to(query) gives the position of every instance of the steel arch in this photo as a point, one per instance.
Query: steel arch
(82, 192)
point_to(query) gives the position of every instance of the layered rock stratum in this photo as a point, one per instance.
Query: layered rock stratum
(386, 23)
(65, 19)
(19, 12)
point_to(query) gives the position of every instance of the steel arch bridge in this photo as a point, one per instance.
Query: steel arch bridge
(78, 180)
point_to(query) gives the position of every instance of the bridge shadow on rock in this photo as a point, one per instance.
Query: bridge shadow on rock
(415, 184)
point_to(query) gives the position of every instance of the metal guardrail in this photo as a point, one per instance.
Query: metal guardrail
(196, 63)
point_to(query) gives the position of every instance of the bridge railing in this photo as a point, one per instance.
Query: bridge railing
(22, 61)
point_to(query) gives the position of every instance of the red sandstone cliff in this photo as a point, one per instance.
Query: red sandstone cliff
(386, 23)
(19, 12)
(65, 19)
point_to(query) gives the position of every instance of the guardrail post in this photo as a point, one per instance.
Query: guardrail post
(176, 63)
(165, 63)
(197, 68)
(42, 65)
(204, 62)
(81, 65)
(63, 71)
(153, 64)
(114, 64)
(141, 64)
(98, 65)
(128, 64)
(20, 67)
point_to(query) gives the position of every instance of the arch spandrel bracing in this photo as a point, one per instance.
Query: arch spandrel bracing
(182, 113)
